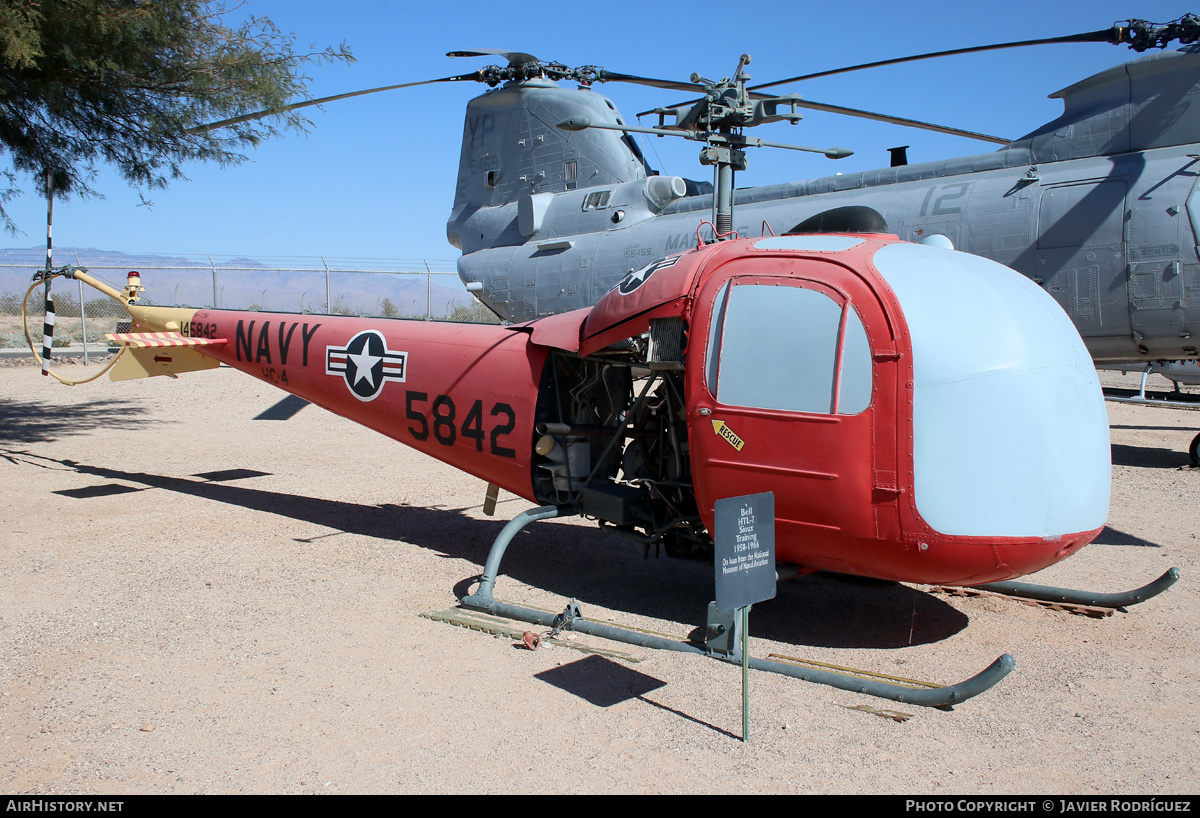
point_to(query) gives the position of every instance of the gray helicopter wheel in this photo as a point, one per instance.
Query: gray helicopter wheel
(1194, 452)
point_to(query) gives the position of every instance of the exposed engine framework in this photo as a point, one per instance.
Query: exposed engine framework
(614, 442)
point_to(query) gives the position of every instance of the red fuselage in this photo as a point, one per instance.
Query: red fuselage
(796, 372)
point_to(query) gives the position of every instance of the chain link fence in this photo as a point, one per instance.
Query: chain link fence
(420, 289)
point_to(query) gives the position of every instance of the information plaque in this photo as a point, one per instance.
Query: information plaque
(744, 548)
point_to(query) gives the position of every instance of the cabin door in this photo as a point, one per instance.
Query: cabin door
(784, 404)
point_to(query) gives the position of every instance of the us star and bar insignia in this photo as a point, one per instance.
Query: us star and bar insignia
(366, 363)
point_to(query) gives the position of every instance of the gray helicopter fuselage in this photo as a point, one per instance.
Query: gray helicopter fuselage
(1099, 207)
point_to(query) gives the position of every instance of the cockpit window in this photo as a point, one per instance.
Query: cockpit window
(788, 348)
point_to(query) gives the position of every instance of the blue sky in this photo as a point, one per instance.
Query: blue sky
(374, 178)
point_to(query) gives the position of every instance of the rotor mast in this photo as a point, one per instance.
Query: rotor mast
(725, 114)
(719, 121)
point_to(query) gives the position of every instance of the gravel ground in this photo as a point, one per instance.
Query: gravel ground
(164, 631)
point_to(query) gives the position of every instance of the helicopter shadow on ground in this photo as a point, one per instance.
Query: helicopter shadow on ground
(603, 682)
(1148, 458)
(841, 611)
(820, 610)
(285, 409)
(600, 681)
(574, 562)
(1111, 536)
(1146, 428)
(31, 421)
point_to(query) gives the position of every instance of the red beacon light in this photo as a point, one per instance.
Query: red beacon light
(133, 285)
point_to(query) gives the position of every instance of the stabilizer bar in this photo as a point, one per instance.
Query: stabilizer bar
(1048, 593)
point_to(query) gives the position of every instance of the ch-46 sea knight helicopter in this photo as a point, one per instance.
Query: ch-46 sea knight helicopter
(555, 202)
(834, 366)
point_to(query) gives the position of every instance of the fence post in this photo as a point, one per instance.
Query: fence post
(328, 308)
(428, 290)
(82, 318)
(82, 312)
(216, 306)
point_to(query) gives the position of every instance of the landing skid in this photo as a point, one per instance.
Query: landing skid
(1174, 400)
(723, 637)
(1048, 593)
(1177, 398)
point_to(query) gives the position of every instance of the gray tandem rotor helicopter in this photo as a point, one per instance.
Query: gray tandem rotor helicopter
(555, 203)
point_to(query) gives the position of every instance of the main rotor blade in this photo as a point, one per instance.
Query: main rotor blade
(237, 120)
(1137, 33)
(604, 75)
(1116, 34)
(898, 120)
(1108, 35)
(516, 59)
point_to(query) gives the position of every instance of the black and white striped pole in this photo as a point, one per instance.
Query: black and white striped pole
(48, 322)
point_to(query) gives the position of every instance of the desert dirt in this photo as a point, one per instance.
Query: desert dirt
(259, 629)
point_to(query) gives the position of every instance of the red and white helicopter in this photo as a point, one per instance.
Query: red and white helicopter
(901, 440)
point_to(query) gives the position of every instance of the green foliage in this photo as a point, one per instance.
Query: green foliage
(128, 82)
(66, 305)
(100, 306)
(20, 45)
(389, 309)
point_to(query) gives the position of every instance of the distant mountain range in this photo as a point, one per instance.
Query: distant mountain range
(90, 255)
(120, 258)
(402, 287)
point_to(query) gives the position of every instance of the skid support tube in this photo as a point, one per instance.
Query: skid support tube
(483, 594)
(570, 620)
(1048, 593)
